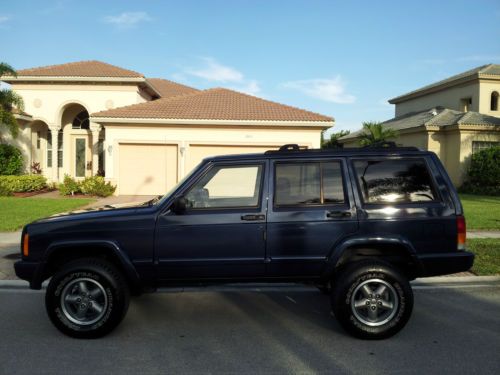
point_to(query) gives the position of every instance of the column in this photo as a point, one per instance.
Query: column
(95, 129)
(54, 133)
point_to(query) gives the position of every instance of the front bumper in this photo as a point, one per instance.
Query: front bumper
(29, 271)
(446, 263)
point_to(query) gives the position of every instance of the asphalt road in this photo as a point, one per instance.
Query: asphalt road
(455, 330)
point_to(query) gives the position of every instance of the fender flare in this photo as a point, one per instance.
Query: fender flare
(130, 272)
(340, 249)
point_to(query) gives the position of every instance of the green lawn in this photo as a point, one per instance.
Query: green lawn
(487, 250)
(16, 212)
(481, 211)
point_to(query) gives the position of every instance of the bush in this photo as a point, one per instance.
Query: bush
(11, 160)
(22, 184)
(483, 176)
(69, 186)
(97, 186)
(90, 186)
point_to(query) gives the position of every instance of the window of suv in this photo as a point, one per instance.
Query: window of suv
(308, 183)
(394, 181)
(227, 186)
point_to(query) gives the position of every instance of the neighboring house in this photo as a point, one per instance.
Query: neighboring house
(454, 118)
(143, 134)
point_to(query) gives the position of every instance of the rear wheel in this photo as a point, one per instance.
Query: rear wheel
(87, 298)
(372, 300)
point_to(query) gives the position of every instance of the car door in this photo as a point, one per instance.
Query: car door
(221, 233)
(312, 209)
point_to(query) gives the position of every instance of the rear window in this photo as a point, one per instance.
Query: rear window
(394, 181)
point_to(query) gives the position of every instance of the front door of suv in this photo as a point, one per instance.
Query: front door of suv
(221, 234)
(311, 208)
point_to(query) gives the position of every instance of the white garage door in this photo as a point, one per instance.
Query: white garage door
(198, 152)
(147, 169)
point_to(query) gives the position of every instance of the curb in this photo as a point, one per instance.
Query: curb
(454, 279)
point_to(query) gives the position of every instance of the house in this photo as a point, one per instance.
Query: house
(454, 118)
(143, 134)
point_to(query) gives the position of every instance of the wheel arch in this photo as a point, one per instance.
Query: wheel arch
(395, 250)
(60, 253)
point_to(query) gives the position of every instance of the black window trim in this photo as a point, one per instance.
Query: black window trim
(434, 184)
(235, 164)
(343, 170)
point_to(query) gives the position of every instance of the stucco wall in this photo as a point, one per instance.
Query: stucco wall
(186, 135)
(487, 87)
(448, 98)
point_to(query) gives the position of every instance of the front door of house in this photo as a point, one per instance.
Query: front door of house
(81, 157)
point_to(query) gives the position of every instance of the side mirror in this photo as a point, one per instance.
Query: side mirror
(179, 205)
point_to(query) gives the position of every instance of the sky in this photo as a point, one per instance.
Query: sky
(339, 58)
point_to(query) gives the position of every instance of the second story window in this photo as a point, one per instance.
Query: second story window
(494, 101)
(81, 121)
(465, 104)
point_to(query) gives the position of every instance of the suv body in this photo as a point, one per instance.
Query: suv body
(296, 215)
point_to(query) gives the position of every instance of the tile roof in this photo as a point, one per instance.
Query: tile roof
(437, 116)
(168, 89)
(214, 104)
(481, 71)
(80, 69)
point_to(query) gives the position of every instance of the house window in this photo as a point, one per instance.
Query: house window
(38, 140)
(81, 121)
(483, 145)
(465, 104)
(494, 101)
(101, 153)
(59, 149)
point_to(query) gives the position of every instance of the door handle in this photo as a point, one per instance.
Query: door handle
(253, 217)
(338, 214)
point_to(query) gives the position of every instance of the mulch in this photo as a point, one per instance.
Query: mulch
(27, 194)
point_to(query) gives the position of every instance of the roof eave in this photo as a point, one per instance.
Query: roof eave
(19, 78)
(208, 122)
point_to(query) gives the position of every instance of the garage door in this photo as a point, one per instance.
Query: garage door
(198, 152)
(147, 169)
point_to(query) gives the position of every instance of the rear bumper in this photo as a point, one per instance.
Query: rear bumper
(29, 271)
(445, 264)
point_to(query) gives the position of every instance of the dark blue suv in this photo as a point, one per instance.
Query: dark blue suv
(359, 223)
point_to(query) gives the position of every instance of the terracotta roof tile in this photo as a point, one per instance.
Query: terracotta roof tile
(214, 104)
(80, 69)
(168, 89)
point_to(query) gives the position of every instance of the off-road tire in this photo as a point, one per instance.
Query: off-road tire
(349, 292)
(108, 285)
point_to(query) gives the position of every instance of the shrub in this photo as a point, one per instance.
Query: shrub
(11, 160)
(22, 184)
(90, 186)
(36, 168)
(97, 186)
(4, 190)
(69, 186)
(483, 176)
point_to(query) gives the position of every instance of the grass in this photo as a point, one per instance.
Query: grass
(16, 212)
(481, 211)
(487, 261)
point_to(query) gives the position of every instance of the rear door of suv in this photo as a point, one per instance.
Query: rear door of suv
(310, 208)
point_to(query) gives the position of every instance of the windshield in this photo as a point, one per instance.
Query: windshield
(161, 198)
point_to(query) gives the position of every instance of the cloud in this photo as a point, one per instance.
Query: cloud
(216, 72)
(4, 18)
(329, 90)
(127, 19)
(251, 87)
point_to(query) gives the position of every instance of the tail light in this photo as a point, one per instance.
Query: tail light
(461, 233)
(26, 239)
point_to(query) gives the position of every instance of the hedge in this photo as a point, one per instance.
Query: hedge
(90, 186)
(483, 176)
(11, 160)
(21, 184)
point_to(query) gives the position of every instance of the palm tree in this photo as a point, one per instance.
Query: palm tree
(375, 132)
(333, 142)
(9, 101)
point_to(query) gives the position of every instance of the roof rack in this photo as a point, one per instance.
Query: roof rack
(378, 146)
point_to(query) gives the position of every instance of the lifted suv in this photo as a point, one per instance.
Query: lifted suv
(359, 223)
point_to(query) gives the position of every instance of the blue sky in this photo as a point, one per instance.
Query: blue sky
(339, 58)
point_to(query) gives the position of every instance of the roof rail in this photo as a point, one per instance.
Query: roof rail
(290, 147)
(378, 146)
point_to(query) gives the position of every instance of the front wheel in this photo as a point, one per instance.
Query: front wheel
(87, 298)
(372, 300)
